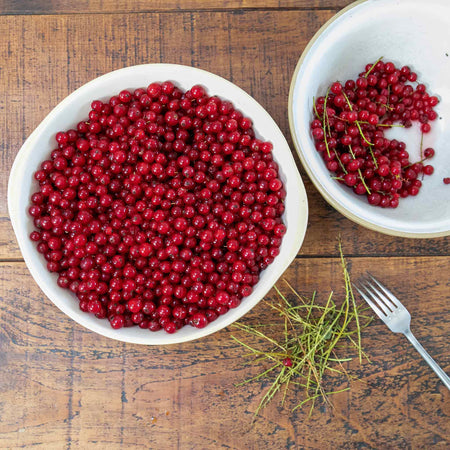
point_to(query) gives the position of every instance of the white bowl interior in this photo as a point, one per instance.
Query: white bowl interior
(74, 108)
(406, 32)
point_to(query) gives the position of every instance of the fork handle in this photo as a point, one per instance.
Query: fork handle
(431, 362)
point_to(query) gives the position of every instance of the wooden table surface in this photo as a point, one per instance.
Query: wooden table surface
(62, 386)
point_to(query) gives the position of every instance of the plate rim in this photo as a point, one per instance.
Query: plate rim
(33, 267)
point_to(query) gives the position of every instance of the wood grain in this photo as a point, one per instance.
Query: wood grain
(65, 387)
(62, 386)
(172, 6)
(83, 47)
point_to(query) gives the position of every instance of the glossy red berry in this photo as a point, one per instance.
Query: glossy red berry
(199, 320)
(287, 362)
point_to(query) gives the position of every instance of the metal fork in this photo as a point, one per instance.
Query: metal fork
(389, 309)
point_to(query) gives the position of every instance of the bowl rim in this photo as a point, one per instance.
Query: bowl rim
(151, 339)
(327, 196)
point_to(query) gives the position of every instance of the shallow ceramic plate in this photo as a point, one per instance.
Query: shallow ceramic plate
(406, 32)
(73, 109)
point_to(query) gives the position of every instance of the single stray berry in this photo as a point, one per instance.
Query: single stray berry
(287, 362)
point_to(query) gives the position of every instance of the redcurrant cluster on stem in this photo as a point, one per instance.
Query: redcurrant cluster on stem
(349, 132)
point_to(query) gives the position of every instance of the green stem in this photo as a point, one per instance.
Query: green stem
(373, 66)
(361, 177)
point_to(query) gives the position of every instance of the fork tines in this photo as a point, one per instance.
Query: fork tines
(396, 317)
(373, 291)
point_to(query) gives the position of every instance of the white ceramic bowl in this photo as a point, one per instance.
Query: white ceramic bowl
(406, 32)
(74, 108)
